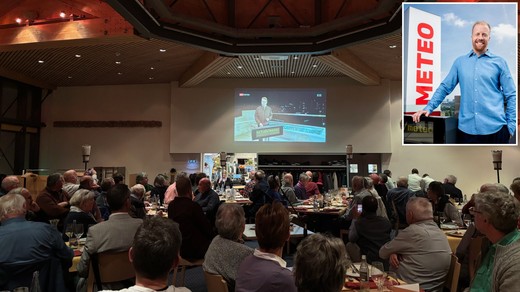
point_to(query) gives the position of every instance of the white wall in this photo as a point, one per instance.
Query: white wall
(367, 117)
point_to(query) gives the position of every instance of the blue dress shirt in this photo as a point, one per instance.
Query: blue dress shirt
(485, 84)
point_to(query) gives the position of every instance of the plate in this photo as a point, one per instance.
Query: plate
(82, 240)
(449, 227)
(351, 273)
(456, 233)
(304, 207)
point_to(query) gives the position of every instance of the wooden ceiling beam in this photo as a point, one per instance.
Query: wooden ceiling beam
(25, 79)
(62, 31)
(349, 64)
(207, 65)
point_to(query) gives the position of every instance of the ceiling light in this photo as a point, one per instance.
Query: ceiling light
(18, 20)
(150, 78)
(77, 56)
(314, 66)
(292, 72)
(70, 77)
(62, 14)
(392, 46)
(256, 58)
(239, 67)
(119, 73)
(295, 57)
(151, 68)
(40, 61)
(228, 73)
(118, 62)
(162, 50)
(274, 58)
(261, 72)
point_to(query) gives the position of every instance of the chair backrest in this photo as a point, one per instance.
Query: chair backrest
(474, 255)
(215, 283)
(109, 267)
(452, 279)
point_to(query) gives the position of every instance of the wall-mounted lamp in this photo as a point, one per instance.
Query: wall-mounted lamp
(350, 155)
(86, 155)
(497, 162)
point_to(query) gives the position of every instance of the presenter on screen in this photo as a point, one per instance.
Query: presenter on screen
(488, 95)
(263, 113)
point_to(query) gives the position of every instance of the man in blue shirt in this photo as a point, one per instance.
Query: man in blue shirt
(486, 88)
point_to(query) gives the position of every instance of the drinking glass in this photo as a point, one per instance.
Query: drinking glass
(391, 280)
(69, 231)
(78, 231)
(378, 274)
(467, 219)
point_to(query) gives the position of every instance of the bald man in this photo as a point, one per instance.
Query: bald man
(207, 198)
(9, 183)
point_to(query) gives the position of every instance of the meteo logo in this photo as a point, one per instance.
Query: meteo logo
(244, 94)
(424, 77)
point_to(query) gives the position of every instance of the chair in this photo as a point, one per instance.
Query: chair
(474, 255)
(109, 267)
(183, 264)
(452, 279)
(215, 283)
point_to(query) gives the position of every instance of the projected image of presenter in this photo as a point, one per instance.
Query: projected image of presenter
(263, 113)
(486, 85)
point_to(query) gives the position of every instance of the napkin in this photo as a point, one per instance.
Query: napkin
(77, 252)
(406, 288)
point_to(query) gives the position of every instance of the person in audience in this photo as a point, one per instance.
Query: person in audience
(227, 250)
(115, 234)
(273, 192)
(258, 196)
(287, 188)
(248, 188)
(198, 177)
(24, 243)
(311, 188)
(425, 182)
(398, 197)
(154, 254)
(137, 209)
(223, 182)
(379, 185)
(359, 191)
(81, 205)
(390, 184)
(88, 183)
(142, 179)
(101, 200)
(9, 183)
(33, 211)
(369, 232)
(171, 191)
(368, 184)
(414, 183)
(173, 175)
(320, 264)
(160, 185)
(496, 215)
(450, 188)
(208, 199)
(487, 187)
(53, 200)
(265, 270)
(419, 253)
(515, 188)
(299, 189)
(195, 228)
(118, 178)
(71, 185)
(442, 205)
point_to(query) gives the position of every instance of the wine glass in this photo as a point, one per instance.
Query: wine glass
(69, 231)
(391, 280)
(378, 275)
(78, 231)
(467, 219)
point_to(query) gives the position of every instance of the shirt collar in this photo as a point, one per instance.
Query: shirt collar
(487, 53)
(270, 256)
(509, 238)
(13, 220)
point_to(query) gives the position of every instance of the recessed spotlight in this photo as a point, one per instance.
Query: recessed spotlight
(152, 68)
(261, 72)
(239, 67)
(292, 72)
(77, 56)
(62, 14)
(295, 57)
(118, 62)
(228, 73)
(150, 78)
(18, 20)
(314, 66)
(392, 46)
(119, 73)
(256, 58)
(162, 50)
(70, 77)
(41, 61)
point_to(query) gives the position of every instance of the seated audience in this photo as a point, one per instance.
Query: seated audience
(419, 253)
(299, 189)
(81, 205)
(370, 231)
(118, 178)
(288, 189)
(273, 192)
(223, 182)
(442, 204)
(311, 188)
(248, 188)
(9, 183)
(259, 193)
(515, 188)
(488, 187)
(33, 211)
(101, 200)
(368, 183)
(359, 191)
(154, 254)
(160, 184)
(227, 250)
(320, 264)
(207, 198)
(26, 244)
(196, 230)
(115, 234)
(450, 189)
(265, 270)
(142, 179)
(53, 200)
(398, 197)
(171, 191)
(496, 215)
(137, 209)
(71, 182)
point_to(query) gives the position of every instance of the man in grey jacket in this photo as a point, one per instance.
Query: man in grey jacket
(420, 253)
(496, 216)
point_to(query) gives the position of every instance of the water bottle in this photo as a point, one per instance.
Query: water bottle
(315, 203)
(364, 285)
(35, 284)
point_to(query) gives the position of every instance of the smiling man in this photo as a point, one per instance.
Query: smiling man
(488, 94)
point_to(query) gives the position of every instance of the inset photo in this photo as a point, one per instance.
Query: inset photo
(460, 66)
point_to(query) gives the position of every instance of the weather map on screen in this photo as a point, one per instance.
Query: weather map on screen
(280, 115)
